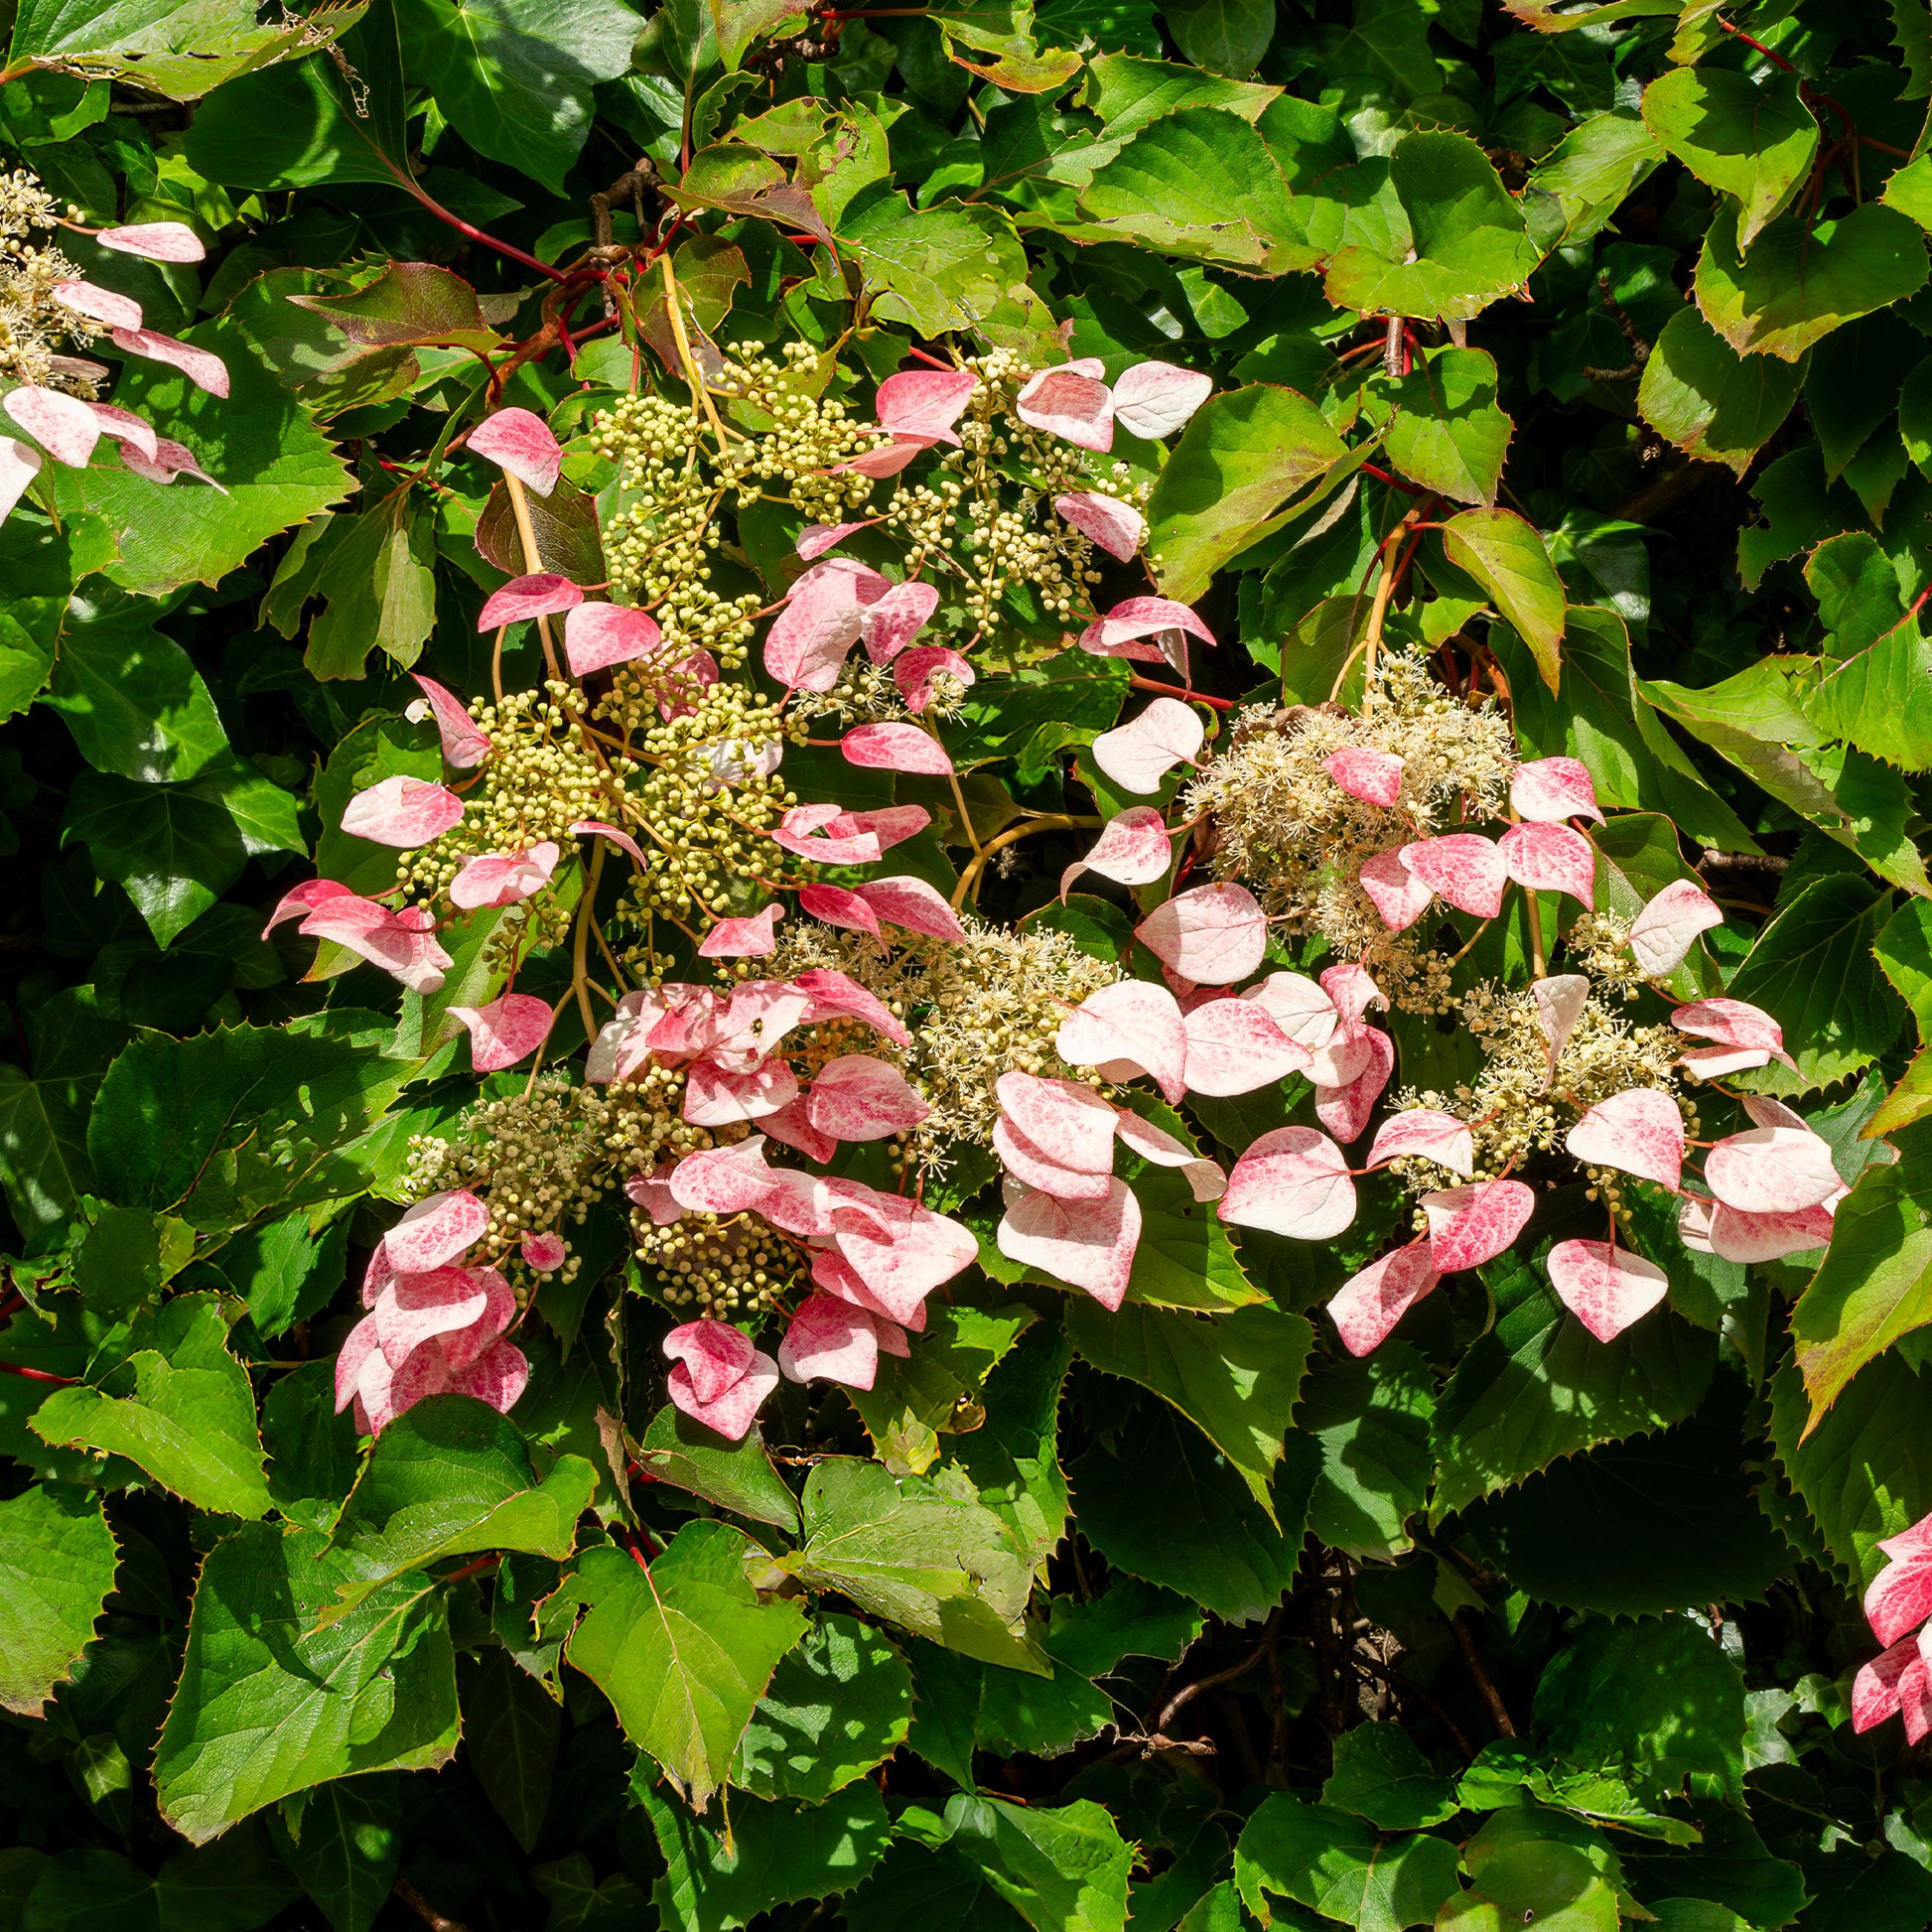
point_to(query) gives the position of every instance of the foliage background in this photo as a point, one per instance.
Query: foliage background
(1622, 1580)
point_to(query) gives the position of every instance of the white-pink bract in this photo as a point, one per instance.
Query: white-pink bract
(924, 403)
(171, 461)
(899, 1250)
(1137, 755)
(830, 1340)
(835, 995)
(1132, 850)
(1123, 631)
(1399, 894)
(1373, 776)
(1024, 1161)
(1559, 1002)
(747, 938)
(1897, 1683)
(104, 306)
(1553, 789)
(1771, 1170)
(506, 1030)
(1551, 859)
(915, 672)
(1663, 933)
(1463, 868)
(1304, 1010)
(463, 746)
(403, 945)
(1746, 1036)
(20, 463)
(434, 1231)
(1212, 934)
(1423, 1133)
(128, 428)
(1070, 402)
(1234, 1046)
(1205, 1178)
(892, 621)
(595, 827)
(63, 425)
(840, 907)
(1292, 1182)
(891, 747)
(1343, 1108)
(1090, 1245)
(155, 241)
(807, 832)
(1606, 1288)
(431, 1332)
(520, 442)
(503, 878)
(1899, 1597)
(815, 539)
(543, 594)
(1126, 1028)
(1070, 1125)
(546, 1253)
(1119, 528)
(859, 1098)
(1470, 1225)
(598, 636)
(202, 366)
(1370, 1303)
(807, 643)
(718, 1378)
(1153, 399)
(913, 905)
(402, 811)
(1639, 1132)
(1712, 1228)
(716, 1095)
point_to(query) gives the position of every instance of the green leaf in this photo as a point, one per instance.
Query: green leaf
(269, 1704)
(175, 852)
(1235, 1376)
(516, 80)
(1656, 1700)
(1731, 1866)
(1432, 232)
(36, 576)
(1710, 402)
(936, 268)
(1238, 461)
(737, 1476)
(233, 1886)
(1336, 1865)
(1800, 282)
(1371, 1417)
(1538, 1386)
(134, 699)
(1506, 556)
(1013, 1457)
(1874, 698)
(1752, 138)
(274, 466)
(920, 1554)
(1447, 433)
(940, 1890)
(44, 1163)
(683, 1650)
(1813, 970)
(1224, 35)
(1544, 1883)
(1184, 1259)
(448, 1478)
(1380, 1774)
(180, 1406)
(512, 1726)
(1904, 954)
(770, 1855)
(836, 1706)
(1592, 173)
(57, 1565)
(344, 1844)
(1061, 1868)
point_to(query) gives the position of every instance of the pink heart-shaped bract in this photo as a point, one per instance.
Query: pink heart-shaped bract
(1090, 1245)
(913, 905)
(1069, 1124)
(520, 441)
(1119, 632)
(1373, 776)
(1205, 1177)
(720, 1378)
(463, 746)
(503, 878)
(915, 672)
(1771, 1170)
(892, 621)
(859, 1098)
(1298, 1007)
(1605, 1286)
(1132, 1024)
(1233, 1046)
(498, 1376)
(1137, 756)
(1710, 1227)
(747, 938)
(1119, 528)
(1212, 935)
(834, 996)
(815, 539)
(832, 1274)
(1153, 399)
(546, 1253)
(830, 1340)
(717, 1096)
(840, 907)
(896, 747)
(806, 645)
(1463, 868)
(924, 403)
(170, 461)
(1071, 404)
(1399, 894)
(598, 636)
(1292, 1182)
(1370, 1303)
(436, 1230)
(402, 811)
(1551, 859)
(155, 241)
(1559, 1002)
(1640, 1132)
(127, 428)
(886, 459)
(415, 1309)
(1736, 1024)
(1553, 789)
(1470, 1225)
(791, 1126)
(1344, 1110)
(104, 306)
(723, 1179)
(805, 831)
(63, 425)
(543, 594)
(201, 367)
(1423, 1133)
(900, 1250)
(1664, 932)
(1895, 1683)
(1899, 1597)
(20, 463)
(506, 1030)
(1027, 1162)
(596, 828)
(403, 945)
(1132, 850)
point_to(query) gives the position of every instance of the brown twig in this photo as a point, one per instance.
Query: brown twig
(1466, 1643)
(424, 1910)
(1404, 1688)
(1188, 1691)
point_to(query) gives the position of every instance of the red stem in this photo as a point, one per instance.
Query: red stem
(474, 1569)
(27, 1374)
(1395, 483)
(1777, 60)
(1165, 691)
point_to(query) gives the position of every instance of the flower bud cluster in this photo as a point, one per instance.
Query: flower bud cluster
(736, 1266)
(32, 321)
